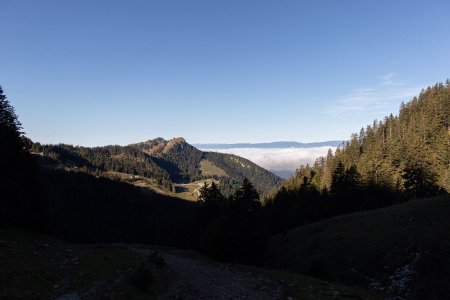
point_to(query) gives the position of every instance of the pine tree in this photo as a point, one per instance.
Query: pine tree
(211, 200)
(19, 204)
(246, 192)
(10, 131)
(419, 184)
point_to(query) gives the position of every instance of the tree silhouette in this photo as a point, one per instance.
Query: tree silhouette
(238, 233)
(19, 204)
(10, 132)
(419, 184)
(211, 203)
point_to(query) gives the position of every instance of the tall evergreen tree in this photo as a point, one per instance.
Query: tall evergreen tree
(419, 184)
(19, 204)
(10, 132)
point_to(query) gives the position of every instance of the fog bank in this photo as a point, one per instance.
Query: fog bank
(282, 161)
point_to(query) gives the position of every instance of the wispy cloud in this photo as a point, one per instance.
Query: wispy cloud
(387, 79)
(387, 92)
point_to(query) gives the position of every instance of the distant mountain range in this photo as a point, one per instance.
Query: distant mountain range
(280, 144)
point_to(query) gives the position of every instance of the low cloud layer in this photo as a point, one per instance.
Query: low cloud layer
(282, 161)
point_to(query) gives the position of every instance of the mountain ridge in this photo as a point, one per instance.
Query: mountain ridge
(277, 144)
(164, 161)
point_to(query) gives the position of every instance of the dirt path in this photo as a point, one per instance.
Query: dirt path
(198, 279)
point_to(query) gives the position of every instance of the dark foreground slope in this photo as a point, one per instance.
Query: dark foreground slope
(83, 208)
(402, 251)
(39, 267)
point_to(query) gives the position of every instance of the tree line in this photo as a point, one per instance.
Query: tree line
(398, 159)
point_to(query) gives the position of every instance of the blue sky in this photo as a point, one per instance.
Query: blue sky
(117, 72)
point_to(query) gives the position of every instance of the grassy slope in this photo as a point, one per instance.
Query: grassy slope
(401, 250)
(40, 267)
(210, 169)
(35, 266)
(185, 191)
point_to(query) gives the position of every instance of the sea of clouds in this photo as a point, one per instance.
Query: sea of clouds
(281, 161)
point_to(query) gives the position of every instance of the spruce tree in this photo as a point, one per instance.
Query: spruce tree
(19, 202)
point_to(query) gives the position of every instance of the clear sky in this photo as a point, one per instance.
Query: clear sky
(116, 72)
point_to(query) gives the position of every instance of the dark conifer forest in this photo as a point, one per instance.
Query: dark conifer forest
(21, 199)
(398, 159)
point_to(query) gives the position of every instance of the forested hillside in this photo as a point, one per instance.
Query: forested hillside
(109, 158)
(414, 143)
(179, 157)
(167, 162)
(400, 158)
(239, 168)
(188, 160)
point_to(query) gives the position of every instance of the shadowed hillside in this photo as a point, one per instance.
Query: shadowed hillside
(40, 267)
(400, 250)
